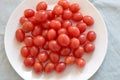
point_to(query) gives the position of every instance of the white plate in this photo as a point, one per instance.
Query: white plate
(94, 61)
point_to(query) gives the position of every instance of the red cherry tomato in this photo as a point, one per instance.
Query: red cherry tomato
(73, 31)
(74, 43)
(45, 47)
(88, 20)
(64, 3)
(66, 24)
(82, 27)
(54, 57)
(44, 34)
(79, 52)
(46, 25)
(28, 62)
(50, 14)
(55, 24)
(63, 40)
(28, 41)
(60, 67)
(34, 51)
(20, 35)
(22, 20)
(24, 51)
(74, 7)
(39, 41)
(38, 67)
(70, 60)
(58, 10)
(82, 38)
(41, 16)
(62, 31)
(89, 47)
(33, 20)
(80, 62)
(65, 52)
(28, 26)
(29, 13)
(51, 34)
(54, 46)
(37, 31)
(77, 16)
(91, 36)
(43, 56)
(41, 6)
(58, 19)
(67, 14)
(49, 67)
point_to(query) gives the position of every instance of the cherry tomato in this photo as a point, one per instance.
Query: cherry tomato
(41, 16)
(50, 14)
(55, 24)
(80, 62)
(34, 51)
(44, 34)
(79, 52)
(46, 46)
(43, 56)
(38, 67)
(77, 16)
(54, 46)
(82, 27)
(82, 38)
(88, 20)
(74, 7)
(39, 41)
(91, 36)
(58, 19)
(29, 13)
(24, 51)
(66, 24)
(28, 26)
(89, 47)
(29, 62)
(73, 31)
(70, 60)
(28, 41)
(67, 14)
(74, 43)
(63, 40)
(60, 67)
(41, 6)
(37, 31)
(46, 25)
(33, 20)
(58, 10)
(62, 31)
(64, 3)
(22, 20)
(65, 51)
(20, 35)
(51, 35)
(54, 57)
(49, 67)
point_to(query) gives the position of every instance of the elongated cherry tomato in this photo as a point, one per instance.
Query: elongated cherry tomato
(38, 67)
(49, 67)
(89, 47)
(58, 10)
(64, 3)
(66, 24)
(79, 52)
(54, 57)
(82, 38)
(77, 16)
(39, 41)
(22, 20)
(67, 14)
(51, 34)
(80, 62)
(33, 20)
(62, 31)
(73, 31)
(60, 67)
(50, 14)
(43, 56)
(20, 35)
(41, 6)
(91, 36)
(44, 34)
(70, 60)
(74, 43)
(88, 20)
(82, 27)
(37, 31)
(29, 62)
(24, 51)
(65, 52)
(74, 7)
(29, 13)
(46, 25)
(55, 24)
(28, 41)
(34, 51)
(45, 47)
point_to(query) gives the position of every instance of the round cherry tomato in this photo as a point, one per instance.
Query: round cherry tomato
(82, 27)
(79, 52)
(58, 10)
(58, 19)
(70, 60)
(60, 67)
(66, 24)
(39, 41)
(22, 20)
(33, 20)
(44, 34)
(88, 20)
(20, 35)
(54, 57)
(28, 26)
(41, 16)
(62, 31)
(82, 38)
(74, 43)
(89, 47)
(49, 67)
(46, 25)
(74, 7)
(29, 13)
(37, 31)
(24, 51)
(43, 56)
(45, 47)
(67, 14)
(29, 62)
(77, 16)
(50, 14)
(73, 31)
(91, 36)
(41, 6)
(80, 62)
(55, 24)
(65, 52)
(64, 3)
(28, 41)
(51, 35)
(34, 51)
(63, 40)
(38, 67)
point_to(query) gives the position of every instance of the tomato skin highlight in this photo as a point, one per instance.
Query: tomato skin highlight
(20, 35)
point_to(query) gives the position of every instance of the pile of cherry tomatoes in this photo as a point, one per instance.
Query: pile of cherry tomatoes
(55, 38)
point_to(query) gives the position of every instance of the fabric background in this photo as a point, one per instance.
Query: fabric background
(110, 11)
